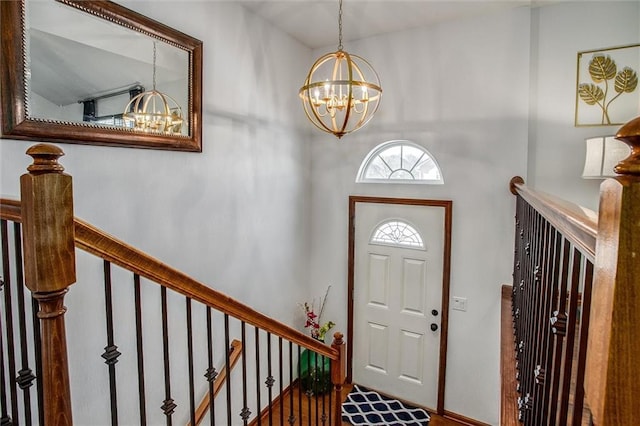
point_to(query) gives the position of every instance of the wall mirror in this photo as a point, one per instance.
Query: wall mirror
(95, 72)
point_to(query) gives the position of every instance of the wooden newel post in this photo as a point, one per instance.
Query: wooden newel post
(49, 267)
(612, 381)
(338, 374)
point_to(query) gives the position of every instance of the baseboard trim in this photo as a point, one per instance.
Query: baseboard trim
(462, 419)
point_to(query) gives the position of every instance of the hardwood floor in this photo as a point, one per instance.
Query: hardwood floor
(309, 410)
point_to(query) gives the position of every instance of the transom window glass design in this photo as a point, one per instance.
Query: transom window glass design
(399, 162)
(395, 232)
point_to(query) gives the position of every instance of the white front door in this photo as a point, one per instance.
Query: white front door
(398, 279)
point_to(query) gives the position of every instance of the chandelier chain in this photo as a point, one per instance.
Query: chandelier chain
(340, 26)
(154, 65)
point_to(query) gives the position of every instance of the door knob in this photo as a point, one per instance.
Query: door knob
(434, 327)
(434, 312)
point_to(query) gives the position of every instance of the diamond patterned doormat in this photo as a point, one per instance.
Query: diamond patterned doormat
(365, 407)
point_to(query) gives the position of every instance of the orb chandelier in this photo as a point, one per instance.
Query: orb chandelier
(342, 91)
(153, 111)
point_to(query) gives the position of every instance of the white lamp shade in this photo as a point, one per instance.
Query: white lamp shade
(603, 153)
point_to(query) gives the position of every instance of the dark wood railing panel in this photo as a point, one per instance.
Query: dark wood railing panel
(509, 395)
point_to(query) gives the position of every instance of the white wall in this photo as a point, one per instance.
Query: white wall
(235, 216)
(556, 147)
(459, 89)
(262, 215)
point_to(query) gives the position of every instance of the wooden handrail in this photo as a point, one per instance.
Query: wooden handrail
(234, 356)
(10, 210)
(107, 247)
(578, 224)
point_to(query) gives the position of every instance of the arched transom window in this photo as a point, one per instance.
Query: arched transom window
(399, 162)
(396, 232)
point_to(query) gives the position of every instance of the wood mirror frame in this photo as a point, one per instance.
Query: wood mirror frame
(16, 123)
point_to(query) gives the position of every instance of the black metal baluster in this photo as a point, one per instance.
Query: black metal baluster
(37, 348)
(211, 372)
(5, 419)
(270, 381)
(539, 321)
(320, 387)
(526, 372)
(517, 268)
(520, 267)
(524, 308)
(324, 394)
(111, 353)
(227, 367)
(140, 352)
(536, 295)
(258, 402)
(331, 398)
(312, 381)
(584, 336)
(192, 397)
(168, 405)
(550, 273)
(281, 377)
(299, 387)
(245, 413)
(525, 265)
(292, 418)
(570, 338)
(25, 375)
(558, 324)
(9, 320)
(524, 344)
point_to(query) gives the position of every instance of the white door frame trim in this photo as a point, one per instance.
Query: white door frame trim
(446, 274)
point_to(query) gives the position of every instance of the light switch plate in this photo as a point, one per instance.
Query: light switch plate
(460, 303)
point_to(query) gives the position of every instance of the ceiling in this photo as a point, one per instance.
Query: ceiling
(315, 22)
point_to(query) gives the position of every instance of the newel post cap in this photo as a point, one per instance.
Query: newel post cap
(630, 134)
(45, 158)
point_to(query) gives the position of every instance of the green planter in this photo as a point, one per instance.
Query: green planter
(315, 378)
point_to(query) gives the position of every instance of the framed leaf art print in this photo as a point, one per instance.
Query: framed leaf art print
(607, 92)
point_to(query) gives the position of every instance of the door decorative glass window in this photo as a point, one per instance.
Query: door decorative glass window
(395, 232)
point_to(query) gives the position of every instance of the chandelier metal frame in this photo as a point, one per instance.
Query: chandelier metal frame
(347, 96)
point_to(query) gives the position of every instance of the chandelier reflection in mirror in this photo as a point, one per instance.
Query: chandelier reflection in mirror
(153, 111)
(342, 91)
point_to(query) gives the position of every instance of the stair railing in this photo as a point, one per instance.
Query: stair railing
(575, 299)
(50, 236)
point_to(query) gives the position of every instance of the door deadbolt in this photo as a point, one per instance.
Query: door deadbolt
(434, 327)
(434, 312)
